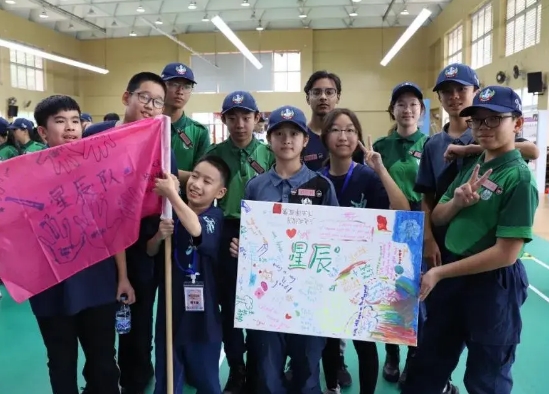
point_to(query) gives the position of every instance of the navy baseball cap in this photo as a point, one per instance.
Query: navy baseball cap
(84, 117)
(177, 70)
(241, 100)
(287, 114)
(23, 124)
(458, 73)
(500, 99)
(406, 87)
(4, 126)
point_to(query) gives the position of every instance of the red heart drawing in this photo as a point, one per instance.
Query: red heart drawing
(277, 209)
(291, 232)
(288, 317)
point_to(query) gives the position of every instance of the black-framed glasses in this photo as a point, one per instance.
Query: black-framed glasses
(317, 92)
(145, 98)
(491, 121)
(185, 86)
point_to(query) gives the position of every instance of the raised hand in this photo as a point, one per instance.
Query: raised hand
(467, 194)
(166, 185)
(58, 240)
(371, 158)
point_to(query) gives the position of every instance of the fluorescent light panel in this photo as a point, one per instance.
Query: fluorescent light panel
(410, 31)
(226, 30)
(49, 56)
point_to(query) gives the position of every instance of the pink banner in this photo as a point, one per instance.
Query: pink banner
(66, 208)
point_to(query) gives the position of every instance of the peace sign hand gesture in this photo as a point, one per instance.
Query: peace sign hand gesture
(371, 158)
(467, 195)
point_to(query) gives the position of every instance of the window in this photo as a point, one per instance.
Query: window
(481, 35)
(287, 72)
(212, 121)
(281, 72)
(27, 71)
(523, 29)
(454, 41)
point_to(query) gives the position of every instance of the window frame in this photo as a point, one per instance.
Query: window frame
(523, 19)
(481, 35)
(454, 38)
(27, 71)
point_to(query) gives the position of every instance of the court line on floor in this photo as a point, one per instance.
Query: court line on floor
(222, 356)
(528, 256)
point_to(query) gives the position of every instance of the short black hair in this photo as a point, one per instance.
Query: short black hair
(111, 116)
(322, 75)
(220, 164)
(145, 76)
(52, 105)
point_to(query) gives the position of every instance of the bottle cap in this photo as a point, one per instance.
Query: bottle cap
(123, 297)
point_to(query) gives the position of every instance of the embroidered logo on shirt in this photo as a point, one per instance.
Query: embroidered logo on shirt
(306, 201)
(485, 194)
(361, 203)
(210, 224)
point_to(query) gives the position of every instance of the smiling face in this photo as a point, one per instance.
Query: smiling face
(287, 141)
(455, 97)
(342, 138)
(494, 131)
(204, 185)
(145, 102)
(62, 128)
(407, 110)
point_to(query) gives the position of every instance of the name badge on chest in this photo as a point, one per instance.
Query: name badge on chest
(194, 295)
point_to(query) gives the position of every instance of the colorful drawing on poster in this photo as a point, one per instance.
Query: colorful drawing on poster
(330, 271)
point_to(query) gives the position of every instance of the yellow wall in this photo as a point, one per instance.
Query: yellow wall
(352, 54)
(59, 78)
(531, 59)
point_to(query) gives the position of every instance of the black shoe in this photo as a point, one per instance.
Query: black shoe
(403, 376)
(344, 378)
(450, 389)
(236, 381)
(391, 371)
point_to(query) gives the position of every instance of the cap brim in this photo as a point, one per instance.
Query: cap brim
(273, 127)
(178, 77)
(11, 127)
(459, 81)
(406, 89)
(470, 111)
(238, 107)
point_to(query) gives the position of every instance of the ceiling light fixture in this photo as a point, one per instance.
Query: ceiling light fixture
(245, 3)
(259, 27)
(132, 34)
(44, 15)
(353, 13)
(49, 56)
(410, 31)
(159, 22)
(356, 1)
(9, 2)
(227, 32)
(140, 9)
(404, 11)
(302, 15)
(205, 18)
(192, 5)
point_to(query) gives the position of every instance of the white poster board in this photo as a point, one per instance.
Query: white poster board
(329, 271)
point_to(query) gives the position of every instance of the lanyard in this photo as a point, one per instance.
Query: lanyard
(347, 176)
(191, 269)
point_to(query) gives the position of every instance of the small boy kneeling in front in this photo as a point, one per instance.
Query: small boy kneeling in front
(196, 316)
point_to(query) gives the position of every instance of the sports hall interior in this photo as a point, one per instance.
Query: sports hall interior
(503, 40)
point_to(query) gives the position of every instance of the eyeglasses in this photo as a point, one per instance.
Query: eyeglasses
(348, 132)
(317, 92)
(185, 86)
(491, 121)
(145, 98)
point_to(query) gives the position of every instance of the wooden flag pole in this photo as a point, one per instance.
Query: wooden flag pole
(169, 316)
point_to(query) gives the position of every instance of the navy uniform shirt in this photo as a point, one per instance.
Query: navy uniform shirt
(315, 153)
(305, 187)
(197, 326)
(435, 175)
(361, 187)
(91, 287)
(139, 264)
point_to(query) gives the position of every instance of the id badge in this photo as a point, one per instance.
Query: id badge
(194, 296)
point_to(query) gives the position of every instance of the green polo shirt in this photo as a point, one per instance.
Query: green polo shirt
(32, 146)
(508, 202)
(401, 156)
(7, 151)
(190, 139)
(246, 163)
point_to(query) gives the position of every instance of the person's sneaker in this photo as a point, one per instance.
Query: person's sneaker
(337, 390)
(236, 381)
(450, 389)
(391, 371)
(344, 378)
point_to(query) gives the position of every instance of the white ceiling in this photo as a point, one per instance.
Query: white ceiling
(95, 19)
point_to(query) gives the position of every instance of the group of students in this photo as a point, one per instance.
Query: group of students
(478, 195)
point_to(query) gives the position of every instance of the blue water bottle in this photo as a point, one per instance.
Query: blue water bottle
(123, 317)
